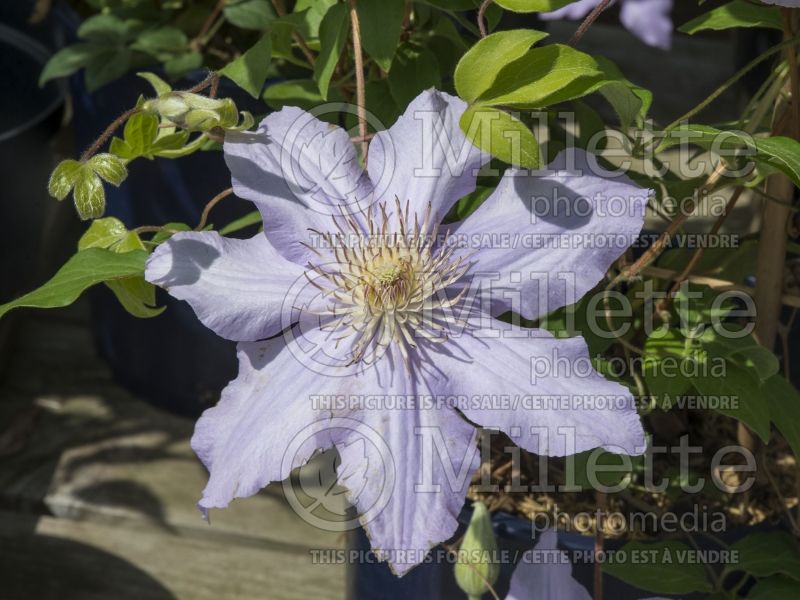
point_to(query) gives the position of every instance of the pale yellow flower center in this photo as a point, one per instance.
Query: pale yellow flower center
(388, 286)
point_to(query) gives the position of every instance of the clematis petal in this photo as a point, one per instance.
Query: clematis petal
(433, 455)
(649, 20)
(424, 157)
(300, 172)
(406, 466)
(236, 287)
(242, 440)
(544, 241)
(545, 573)
(541, 391)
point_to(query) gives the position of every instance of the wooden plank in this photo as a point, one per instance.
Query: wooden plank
(118, 484)
(61, 558)
(108, 455)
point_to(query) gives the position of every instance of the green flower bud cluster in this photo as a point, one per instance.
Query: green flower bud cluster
(194, 112)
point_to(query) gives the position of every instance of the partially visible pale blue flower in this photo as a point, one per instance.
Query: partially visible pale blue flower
(545, 573)
(786, 3)
(649, 20)
(356, 311)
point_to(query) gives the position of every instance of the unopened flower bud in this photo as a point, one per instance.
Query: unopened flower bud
(476, 569)
(194, 112)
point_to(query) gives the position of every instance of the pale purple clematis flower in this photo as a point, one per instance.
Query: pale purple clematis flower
(786, 3)
(649, 20)
(376, 301)
(545, 573)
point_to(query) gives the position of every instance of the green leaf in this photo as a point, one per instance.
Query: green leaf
(129, 242)
(663, 568)
(664, 357)
(103, 233)
(766, 554)
(107, 66)
(731, 264)
(308, 15)
(774, 588)
(66, 61)
(739, 13)
(469, 204)
(758, 358)
(533, 5)
(90, 198)
(140, 134)
(171, 141)
(381, 22)
(784, 408)
(544, 76)
(163, 236)
(298, 92)
(249, 219)
(380, 103)
(473, 78)
(63, 178)
(109, 167)
(744, 351)
(783, 153)
(249, 71)
(83, 270)
(413, 70)
(630, 101)
(332, 38)
(160, 86)
(136, 296)
(740, 385)
(584, 319)
(161, 39)
(778, 152)
(598, 467)
(104, 29)
(501, 135)
(183, 63)
(250, 14)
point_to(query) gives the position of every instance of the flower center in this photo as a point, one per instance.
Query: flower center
(388, 286)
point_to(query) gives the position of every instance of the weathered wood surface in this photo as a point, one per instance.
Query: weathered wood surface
(98, 493)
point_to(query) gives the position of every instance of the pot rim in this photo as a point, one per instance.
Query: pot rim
(40, 54)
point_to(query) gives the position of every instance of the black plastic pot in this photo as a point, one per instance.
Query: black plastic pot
(171, 360)
(29, 118)
(434, 580)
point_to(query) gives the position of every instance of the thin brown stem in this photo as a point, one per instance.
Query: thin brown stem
(588, 22)
(200, 40)
(715, 284)
(662, 241)
(154, 229)
(482, 17)
(212, 92)
(211, 204)
(698, 254)
(357, 139)
(360, 94)
(599, 539)
(109, 131)
(211, 80)
(280, 10)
